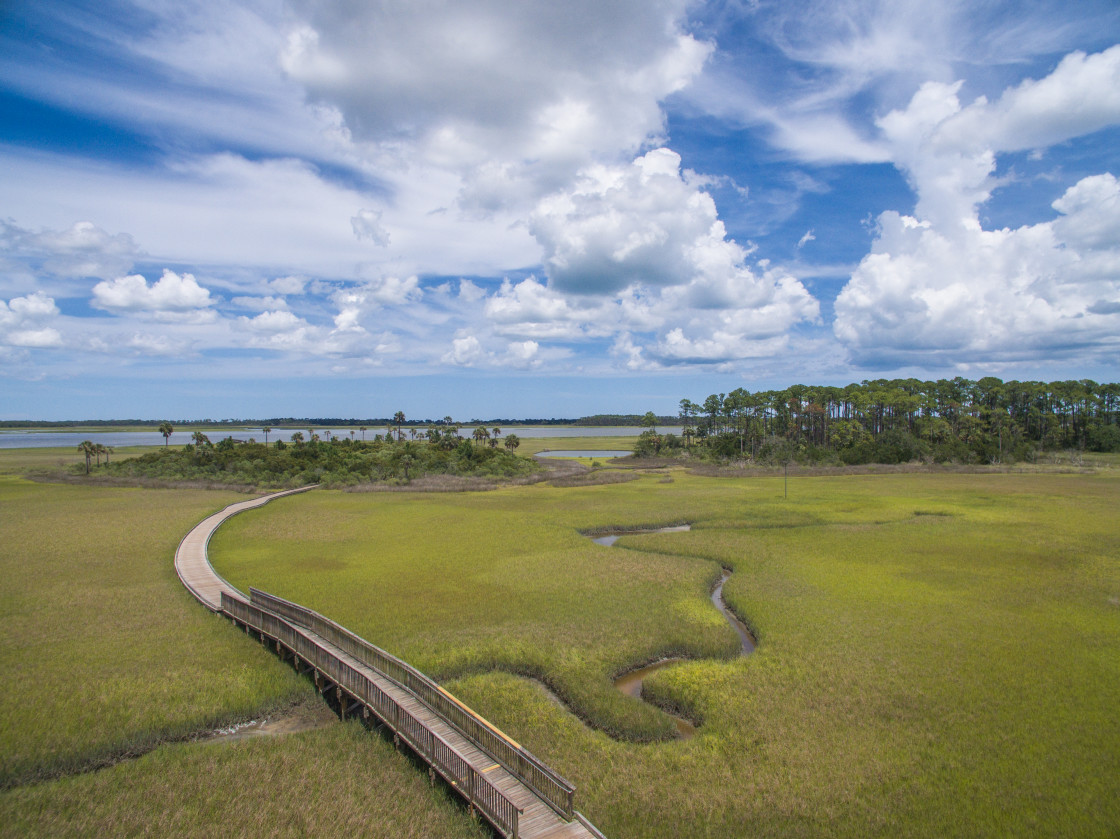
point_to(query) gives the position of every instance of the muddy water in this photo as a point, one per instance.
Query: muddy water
(746, 640)
(631, 683)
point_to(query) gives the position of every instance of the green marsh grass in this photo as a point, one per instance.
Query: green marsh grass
(334, 781)
(105, 651)
(939, 654)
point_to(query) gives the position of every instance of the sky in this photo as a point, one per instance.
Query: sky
(521, 209)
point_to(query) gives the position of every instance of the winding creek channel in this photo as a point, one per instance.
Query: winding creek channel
(631, 682)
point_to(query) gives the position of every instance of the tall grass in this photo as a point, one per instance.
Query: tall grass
(939, 654)
(335, 781)
(104, 651)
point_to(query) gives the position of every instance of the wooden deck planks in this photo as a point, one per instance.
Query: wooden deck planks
(192, 564)
(537, 821)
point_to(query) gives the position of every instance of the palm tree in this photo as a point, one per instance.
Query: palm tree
(266, 430)
(297, 437)
(496, 432)
(86, 448)
(108, 451)
(480, 434)
(98, 450)
(166, 430)
(200, 439)
(363, 430)
(351, 435)
(512, 442)
(398, 418)
(406, 461)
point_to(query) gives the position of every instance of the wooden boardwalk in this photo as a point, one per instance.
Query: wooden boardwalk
(193, 565)
(503, 782)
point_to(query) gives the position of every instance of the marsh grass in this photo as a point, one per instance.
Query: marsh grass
(334, 781)
(105, 652)
(939, 654)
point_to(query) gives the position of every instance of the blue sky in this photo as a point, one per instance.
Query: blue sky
(535, 209)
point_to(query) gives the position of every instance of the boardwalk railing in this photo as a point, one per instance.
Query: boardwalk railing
(552, 788)
(493, 804)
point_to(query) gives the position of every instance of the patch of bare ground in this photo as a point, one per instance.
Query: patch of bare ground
(635, 462)
(307, 715)
(449, 483)
(596, 477)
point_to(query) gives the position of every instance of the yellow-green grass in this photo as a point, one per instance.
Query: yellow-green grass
(334, 781)
(104, 651)
(53, 459)
(536, 445)
(939, 654)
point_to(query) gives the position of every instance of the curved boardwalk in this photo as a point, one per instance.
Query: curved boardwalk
(514, 791)
(192, 564)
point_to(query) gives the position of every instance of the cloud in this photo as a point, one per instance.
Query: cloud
(513, 98)
(22, 322)
(273, 322)
(936, 287)
(367, 225)
(640, 249)
(1080, 96)
(469, 292)
(260, 304)
(646, 223)
(939, 296)
(83, 250)
(523, 354)
(158, 345)
(529, 308)
(288, 285)
(466, 351)
(171, 297)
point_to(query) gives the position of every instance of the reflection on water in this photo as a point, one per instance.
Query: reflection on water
(609, 539)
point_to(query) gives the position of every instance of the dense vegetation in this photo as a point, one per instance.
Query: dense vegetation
(339, 461)
(93, 617)
(112, 657)
(898, 421)
(938, 653)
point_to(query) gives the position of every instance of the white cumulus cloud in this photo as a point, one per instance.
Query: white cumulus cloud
(939, 289)
(23, 322)
(466, 351)
(171, 297)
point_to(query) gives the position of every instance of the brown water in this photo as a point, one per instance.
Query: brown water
(631, 683)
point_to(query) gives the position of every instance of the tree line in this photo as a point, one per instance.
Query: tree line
(399, 455)
(897, 421)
